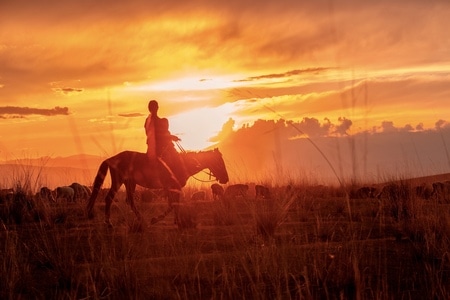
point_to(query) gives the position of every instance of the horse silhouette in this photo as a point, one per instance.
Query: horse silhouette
(133, 168)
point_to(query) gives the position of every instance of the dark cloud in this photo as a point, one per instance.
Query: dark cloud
(440, 124)
(267, 143)
(11, 117)
(313, 128)
(407, 127)
(68, 90)
(343, 127)
(21, 111)
(131, 115)
(309, 127)
(388, 126)
(285, 74)
(420, 127)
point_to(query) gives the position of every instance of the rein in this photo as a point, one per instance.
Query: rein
(201, 180)
(180, 147)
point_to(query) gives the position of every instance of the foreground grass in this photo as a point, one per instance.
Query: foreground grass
(301, 245)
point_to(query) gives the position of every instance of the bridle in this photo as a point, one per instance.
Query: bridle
(210, 174)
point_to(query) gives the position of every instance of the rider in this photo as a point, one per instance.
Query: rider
(160, 144)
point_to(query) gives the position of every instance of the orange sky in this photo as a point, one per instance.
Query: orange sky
(75, 77)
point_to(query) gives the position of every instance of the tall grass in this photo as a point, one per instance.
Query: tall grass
(302, 242)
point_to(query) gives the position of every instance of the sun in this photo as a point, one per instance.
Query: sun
(196, 127)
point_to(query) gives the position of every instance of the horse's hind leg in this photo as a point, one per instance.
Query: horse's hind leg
(173, 196)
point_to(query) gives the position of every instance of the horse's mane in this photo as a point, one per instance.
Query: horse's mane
(193, 152)
(198, 151)
(194, 155)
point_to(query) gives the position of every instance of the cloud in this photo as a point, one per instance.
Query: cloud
(369, 101)
(288, 38)
(407, 127)
(21, 111)
(285, 74)
(68, 90)
(131, 115)
(388, 126)
(313, 128)
(280, 34)
(343, 127)
(11, 117)
(310, 127)
(420, 127)
(442, 124)
(394, 150)
(227, 129)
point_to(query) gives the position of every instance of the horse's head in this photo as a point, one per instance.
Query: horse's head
(217, 166)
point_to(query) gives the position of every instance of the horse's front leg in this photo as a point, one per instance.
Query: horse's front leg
(131, 188)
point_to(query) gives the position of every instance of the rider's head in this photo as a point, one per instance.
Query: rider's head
(153, 106)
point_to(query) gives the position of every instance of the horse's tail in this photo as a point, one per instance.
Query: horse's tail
(98, 182)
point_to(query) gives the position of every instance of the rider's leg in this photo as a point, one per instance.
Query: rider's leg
(169, 174)
(154, 165)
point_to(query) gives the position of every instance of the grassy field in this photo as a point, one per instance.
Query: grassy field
(313, 242)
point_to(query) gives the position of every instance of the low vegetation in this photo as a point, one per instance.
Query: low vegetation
(305, 242)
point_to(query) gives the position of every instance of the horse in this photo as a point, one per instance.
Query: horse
(132, 168)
